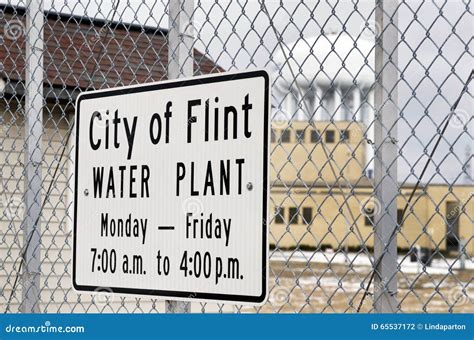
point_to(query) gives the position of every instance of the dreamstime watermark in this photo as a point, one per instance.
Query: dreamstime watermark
(193, 206)
(370, 207)
(12, 208)
(98, 35)
(460, 296)
(102, 117)
(281, 119)
(370, 30)
(191, 28)
(379, 288)
(47, 327)
(460, 119)
(178, 306)
(103, 296)
(279, 296)
(463, 201)
(382, 285)
(13, 29)
(455, 212)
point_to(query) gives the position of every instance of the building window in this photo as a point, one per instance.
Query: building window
(293, 212)
(273, 136)
(279, 215)
(345, 135)
(315, 136)
(400, 217)
(330, 136)
(307, 215)
(285, 136)
(369, 220)
(300, 136)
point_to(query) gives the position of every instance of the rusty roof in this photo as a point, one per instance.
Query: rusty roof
(82, 52)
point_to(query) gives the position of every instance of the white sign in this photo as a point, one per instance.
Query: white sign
(171, 189)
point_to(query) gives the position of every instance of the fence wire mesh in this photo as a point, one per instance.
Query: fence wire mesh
(371, 183)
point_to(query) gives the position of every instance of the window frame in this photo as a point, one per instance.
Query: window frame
(345, 135)
(317, 133)
(285, 133)
(273, 135)
(297, 137)
(293, 218)
(326, 136)
(280, 215)
(305, 209)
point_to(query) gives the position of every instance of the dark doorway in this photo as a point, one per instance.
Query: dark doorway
(452, 225)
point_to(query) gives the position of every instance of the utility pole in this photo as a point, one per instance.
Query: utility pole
(386, 151)
(180, 65)
(34, 102)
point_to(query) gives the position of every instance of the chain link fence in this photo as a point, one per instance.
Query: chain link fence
(371, 182)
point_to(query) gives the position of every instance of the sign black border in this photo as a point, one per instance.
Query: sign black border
(173, 84)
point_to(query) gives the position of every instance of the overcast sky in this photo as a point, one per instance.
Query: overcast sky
(237, 36)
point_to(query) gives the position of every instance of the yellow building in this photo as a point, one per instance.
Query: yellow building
(322, 198)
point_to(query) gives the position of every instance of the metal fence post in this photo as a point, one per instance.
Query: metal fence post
(33, 156)
(180, 64)
(386, 183)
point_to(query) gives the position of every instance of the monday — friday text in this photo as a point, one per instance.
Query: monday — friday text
(207, 121)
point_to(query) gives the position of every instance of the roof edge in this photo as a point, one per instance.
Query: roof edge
(53, 15)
